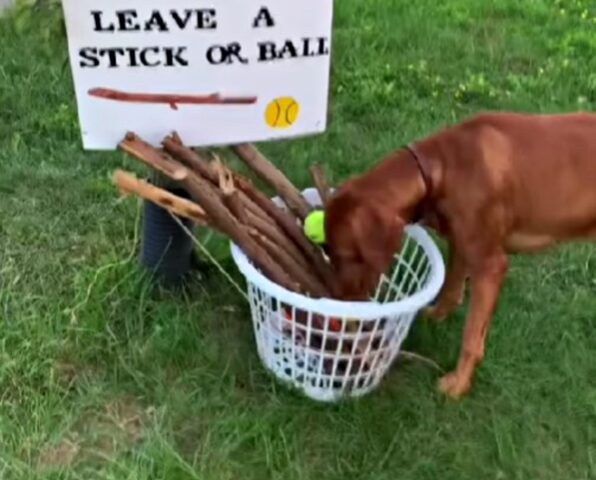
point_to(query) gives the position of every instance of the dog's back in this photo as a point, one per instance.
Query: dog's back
(542, 166)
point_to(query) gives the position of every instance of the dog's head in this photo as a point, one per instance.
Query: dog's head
(362, 236)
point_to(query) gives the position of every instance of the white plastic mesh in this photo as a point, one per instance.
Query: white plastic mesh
(329, 357)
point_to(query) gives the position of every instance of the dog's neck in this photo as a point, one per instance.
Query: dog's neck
(405, 182)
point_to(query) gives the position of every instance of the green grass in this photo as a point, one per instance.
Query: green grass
(101, 376)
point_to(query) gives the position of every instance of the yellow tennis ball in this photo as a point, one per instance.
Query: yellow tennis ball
(314, 227)
(282, 112)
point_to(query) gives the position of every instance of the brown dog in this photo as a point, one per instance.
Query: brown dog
(492, 185)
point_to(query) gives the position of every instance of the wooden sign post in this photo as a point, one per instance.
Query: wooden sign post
(218, 73)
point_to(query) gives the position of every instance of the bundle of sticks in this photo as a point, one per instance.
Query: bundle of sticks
(272, 237)
(228, 202)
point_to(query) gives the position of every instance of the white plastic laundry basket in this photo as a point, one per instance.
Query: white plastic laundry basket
(331, 349)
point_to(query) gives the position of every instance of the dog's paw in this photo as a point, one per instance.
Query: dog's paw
(454, 385)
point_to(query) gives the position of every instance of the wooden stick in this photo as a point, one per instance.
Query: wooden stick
(271, 237)
(267, 171)
(160, 161)
(173, 145)
(320, 181)
(246, 209)
(277, 236)
(172, 100)
(310, 283)
(231, 196)
(151, 157)
(128, 184)
(257, 211)
(203, 192)
(269, 229)
(289, 225)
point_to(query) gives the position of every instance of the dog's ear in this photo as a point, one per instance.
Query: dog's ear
(378, 237)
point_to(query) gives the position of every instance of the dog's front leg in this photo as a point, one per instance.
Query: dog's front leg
(486, 278)
(452, 293)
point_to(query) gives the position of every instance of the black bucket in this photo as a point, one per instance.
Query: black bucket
(166, 250)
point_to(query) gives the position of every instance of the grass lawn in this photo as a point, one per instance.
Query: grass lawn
(103, 377)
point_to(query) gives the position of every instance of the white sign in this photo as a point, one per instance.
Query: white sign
(216, 71)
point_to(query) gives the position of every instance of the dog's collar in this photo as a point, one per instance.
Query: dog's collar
(424, 169)
(422, 164)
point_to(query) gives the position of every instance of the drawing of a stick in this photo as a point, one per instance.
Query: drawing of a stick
(172, 100)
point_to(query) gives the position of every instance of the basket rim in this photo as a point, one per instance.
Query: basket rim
(363, 310)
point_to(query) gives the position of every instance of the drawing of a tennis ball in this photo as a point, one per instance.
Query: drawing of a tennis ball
(282, 112)
(314, 227)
